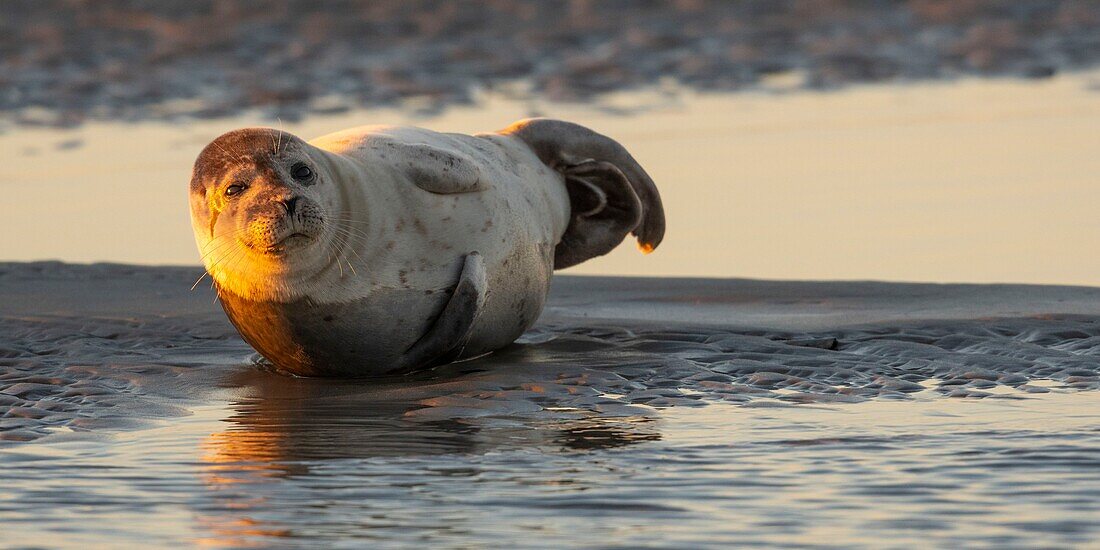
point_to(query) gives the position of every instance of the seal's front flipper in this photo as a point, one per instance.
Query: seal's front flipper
(449, 332)
(438, 170)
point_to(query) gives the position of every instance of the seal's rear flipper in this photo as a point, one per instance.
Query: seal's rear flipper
(610, 194)
(449, 332)
(604, 208)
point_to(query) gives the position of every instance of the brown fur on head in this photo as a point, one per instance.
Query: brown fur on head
(258, 206)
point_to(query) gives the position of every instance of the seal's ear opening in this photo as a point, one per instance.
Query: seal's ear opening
(588, 159)
(604, 208)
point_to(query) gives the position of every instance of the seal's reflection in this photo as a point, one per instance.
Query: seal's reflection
(285, 431)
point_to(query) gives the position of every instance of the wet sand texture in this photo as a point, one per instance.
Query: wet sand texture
(63, 62)
(111, 347)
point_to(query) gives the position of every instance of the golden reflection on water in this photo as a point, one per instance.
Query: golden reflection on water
(230, 461)
(283, 428)
(973, 180)
(283, 421)
(236, 532)
(273, 441)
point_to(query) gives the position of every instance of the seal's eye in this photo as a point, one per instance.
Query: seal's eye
(301, 172)
(234, 190)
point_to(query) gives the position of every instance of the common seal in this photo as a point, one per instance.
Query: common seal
(385, 249)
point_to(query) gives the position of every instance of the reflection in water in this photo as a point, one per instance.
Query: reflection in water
(531, 432)
(241, 532)
(285, 421)
(603, 434)
(292, 428)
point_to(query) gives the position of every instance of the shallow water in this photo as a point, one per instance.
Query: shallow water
(930, 471)
(975, 180)
(145, 422)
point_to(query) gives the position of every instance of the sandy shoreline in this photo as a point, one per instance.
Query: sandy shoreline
(109, 347)
(66, 326)
(119, 290)
(645, 403)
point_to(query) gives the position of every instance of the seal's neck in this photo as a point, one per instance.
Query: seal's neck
(364, 202)
(367, 199)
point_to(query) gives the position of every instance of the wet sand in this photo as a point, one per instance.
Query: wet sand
(69, 326)
(688, 411)
(63, 62)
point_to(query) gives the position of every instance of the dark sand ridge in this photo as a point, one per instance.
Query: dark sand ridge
(130, 291)
(63, 62)
(109, 347)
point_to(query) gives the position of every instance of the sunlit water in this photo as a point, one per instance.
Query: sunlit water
(131, 415)
(973, 180)
(928, 471)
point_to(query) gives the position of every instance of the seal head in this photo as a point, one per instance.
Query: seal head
(261, 207)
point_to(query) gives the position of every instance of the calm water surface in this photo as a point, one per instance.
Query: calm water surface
(263, 472)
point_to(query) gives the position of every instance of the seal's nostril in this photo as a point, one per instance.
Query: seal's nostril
(289, 205)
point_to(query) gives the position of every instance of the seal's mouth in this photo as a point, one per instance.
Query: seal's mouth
(282, 246)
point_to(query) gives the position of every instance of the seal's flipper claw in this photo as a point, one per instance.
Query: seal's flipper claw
(444, 339)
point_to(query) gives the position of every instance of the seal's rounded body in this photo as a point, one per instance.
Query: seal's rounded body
(385, 249)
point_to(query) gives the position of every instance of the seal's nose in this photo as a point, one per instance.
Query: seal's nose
(289, 204)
